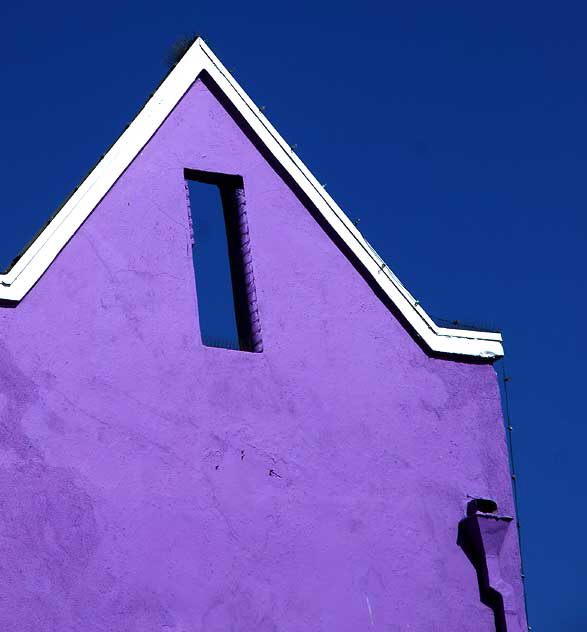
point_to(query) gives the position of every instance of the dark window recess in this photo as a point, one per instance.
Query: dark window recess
(225, 285)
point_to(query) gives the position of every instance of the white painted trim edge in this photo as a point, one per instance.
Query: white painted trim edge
(38, 257)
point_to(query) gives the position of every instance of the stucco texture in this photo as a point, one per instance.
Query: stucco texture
(151, 484)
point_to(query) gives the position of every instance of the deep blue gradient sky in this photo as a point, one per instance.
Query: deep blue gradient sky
(456, 132)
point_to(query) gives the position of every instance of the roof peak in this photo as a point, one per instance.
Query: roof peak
(192, 62)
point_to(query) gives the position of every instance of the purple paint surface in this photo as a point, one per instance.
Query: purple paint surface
(151, 484)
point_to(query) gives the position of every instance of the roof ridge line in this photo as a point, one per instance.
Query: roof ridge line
(41, 252)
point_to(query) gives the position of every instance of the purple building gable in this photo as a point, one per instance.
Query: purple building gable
(149, 483)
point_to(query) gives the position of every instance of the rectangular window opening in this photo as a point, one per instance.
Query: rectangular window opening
(225, 285)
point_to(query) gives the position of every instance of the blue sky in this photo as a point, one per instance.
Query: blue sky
(456, 133)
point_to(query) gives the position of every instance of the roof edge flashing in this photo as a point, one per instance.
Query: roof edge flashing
(39, 255)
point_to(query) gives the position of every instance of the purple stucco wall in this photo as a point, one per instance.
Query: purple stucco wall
(135, 492)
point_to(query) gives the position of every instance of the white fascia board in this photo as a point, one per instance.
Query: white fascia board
(38, 257)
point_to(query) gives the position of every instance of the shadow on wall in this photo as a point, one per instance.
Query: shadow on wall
(481, 535)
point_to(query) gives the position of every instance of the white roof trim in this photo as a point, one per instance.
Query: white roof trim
(38, 257)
